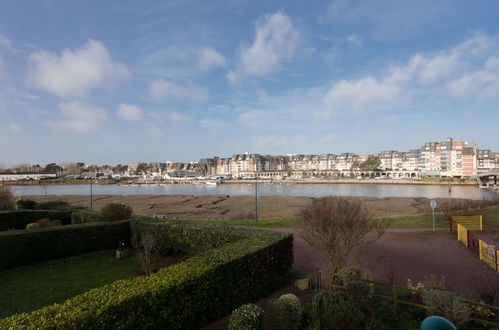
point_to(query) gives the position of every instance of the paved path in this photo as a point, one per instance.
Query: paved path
(409, 253)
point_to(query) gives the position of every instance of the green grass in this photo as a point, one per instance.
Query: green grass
(490, 218)
(28, 288)
(272, 222)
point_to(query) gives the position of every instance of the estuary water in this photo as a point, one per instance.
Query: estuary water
(265, 189)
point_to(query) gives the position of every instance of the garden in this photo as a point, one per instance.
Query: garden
(67, 268)
(220, 269)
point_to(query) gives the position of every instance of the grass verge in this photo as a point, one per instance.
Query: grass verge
(28, 288)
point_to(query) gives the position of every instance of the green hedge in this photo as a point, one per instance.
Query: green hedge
(187, 295)
(19, 219)
(183, 240)
(23, 247)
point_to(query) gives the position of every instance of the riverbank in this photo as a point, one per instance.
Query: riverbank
(424, 181)
(223, 207)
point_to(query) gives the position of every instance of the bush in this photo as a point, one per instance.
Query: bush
(85, 215)
(19, 219)
(21, 247)
(332, 310)
(247, 317)
(353, 281)
(7, 201)
(186, 295)
(26, 204)
(116, 212)
(447, 304)
(54, 205)
(43, 223)
(290, 312)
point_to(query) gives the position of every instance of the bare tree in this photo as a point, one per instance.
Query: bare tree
(144, 241)
(7, 199)
(341, 228)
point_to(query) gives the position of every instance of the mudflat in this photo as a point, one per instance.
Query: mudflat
(236, 207)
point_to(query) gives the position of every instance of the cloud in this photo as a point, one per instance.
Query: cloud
(7, 44)
(2, 65)
(208, 58)
(79, 117)
(276, 41)
(163, 89)
(357, 95)
(14, 127)
(424, 76)
(483, 84)
(74, 73)
(130, 112)
(182, 61)
(354, 39)
(176, 117)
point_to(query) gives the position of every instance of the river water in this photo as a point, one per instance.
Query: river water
(266, 189)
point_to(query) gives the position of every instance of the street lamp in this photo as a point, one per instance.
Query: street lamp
(91, 191)
(256, 197)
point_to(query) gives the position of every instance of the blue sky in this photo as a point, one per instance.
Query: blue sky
(123, 81)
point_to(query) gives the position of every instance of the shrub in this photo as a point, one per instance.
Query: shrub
(26, 204)
(19, 219)
(340, 228)
(144, 240)
(290, 312)
(186, 295)
(247, 317)
(447, 304)
(43, 223)
(352, 279)
(116, 212)
(54, 205)
(332, 310)
(7, 201)
(85, 215)
(21, 247)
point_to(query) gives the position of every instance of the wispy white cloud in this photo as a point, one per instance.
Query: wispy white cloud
(424, 75)
(209, 58)
(79, 118)
(182, 62)
(276, 40)
(176, 117)
(354, 39)
(6, 44)
(163, 89)
(74, 73)
(14, 127)
(130, 112)
(482, 84)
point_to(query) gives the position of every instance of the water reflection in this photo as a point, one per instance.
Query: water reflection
(265, 189)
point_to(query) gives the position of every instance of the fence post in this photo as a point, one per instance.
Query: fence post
(481, 223)
(395, 302)
(497, 259)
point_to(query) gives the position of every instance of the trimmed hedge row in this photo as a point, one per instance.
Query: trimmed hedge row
(19, 219)
(183, 296)
(23, 247)
(183, 240)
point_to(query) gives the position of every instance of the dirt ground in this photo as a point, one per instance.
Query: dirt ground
(413, 254)
(235, 207)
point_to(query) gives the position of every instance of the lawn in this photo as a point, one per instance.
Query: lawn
(271, 222)
(490, 219)
(28, 288)
(490, 216)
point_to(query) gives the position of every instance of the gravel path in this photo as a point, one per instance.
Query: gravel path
(409, 253)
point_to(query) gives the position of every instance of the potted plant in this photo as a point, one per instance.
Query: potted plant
(122, 252)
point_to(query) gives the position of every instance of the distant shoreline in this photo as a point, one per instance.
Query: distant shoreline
(251, 181)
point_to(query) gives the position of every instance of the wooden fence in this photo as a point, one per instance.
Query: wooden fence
(401, 295)
(463, 227)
